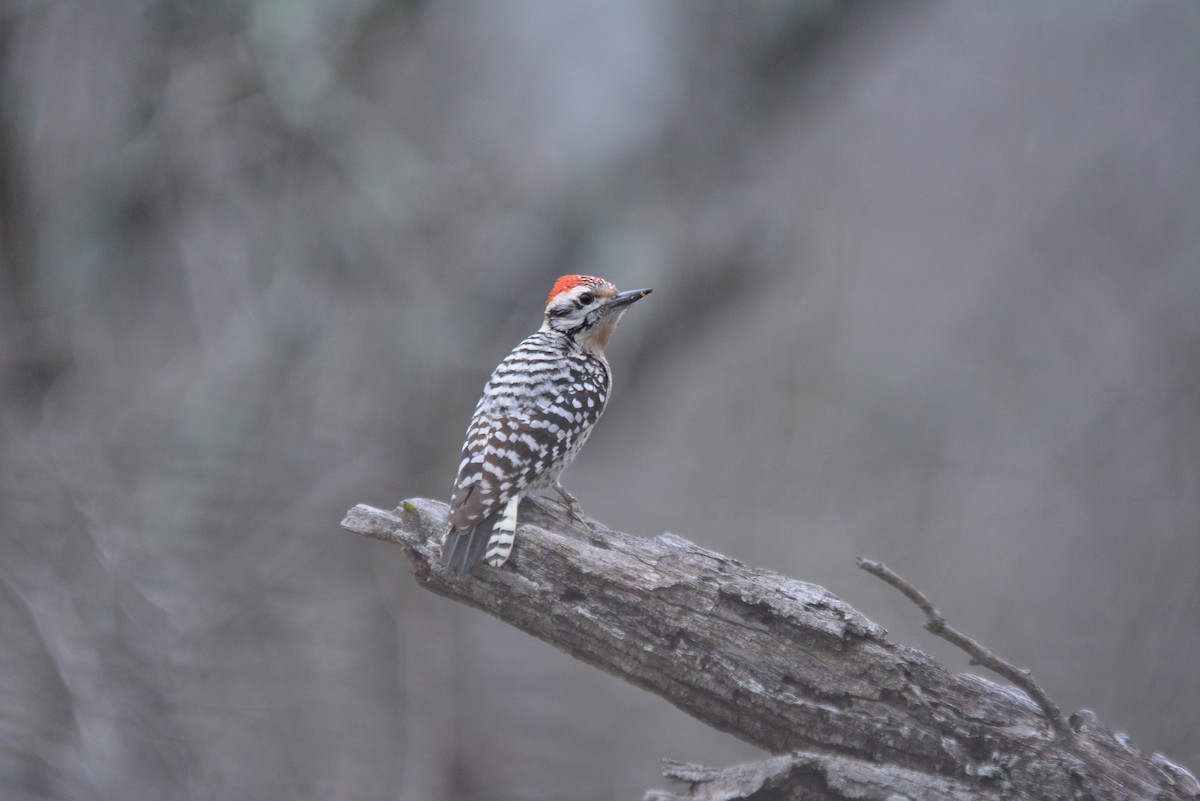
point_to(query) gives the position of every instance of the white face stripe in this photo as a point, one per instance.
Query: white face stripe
(567, 310)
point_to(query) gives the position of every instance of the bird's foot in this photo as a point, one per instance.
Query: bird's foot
(574, 510)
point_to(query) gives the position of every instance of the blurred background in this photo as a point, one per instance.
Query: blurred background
(927, 290)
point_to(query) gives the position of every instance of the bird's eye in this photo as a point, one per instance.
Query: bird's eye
(586, 298)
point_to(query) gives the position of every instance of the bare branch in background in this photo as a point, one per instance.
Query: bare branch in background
(979, 654)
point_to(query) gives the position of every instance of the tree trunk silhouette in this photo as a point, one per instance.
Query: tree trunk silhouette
(781, 664)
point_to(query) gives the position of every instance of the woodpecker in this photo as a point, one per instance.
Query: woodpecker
(537, 410)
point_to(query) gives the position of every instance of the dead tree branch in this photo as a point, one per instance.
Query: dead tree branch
(781, 664)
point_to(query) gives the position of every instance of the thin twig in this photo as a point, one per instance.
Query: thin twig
(979, 654)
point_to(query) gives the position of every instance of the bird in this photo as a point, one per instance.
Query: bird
(536, 412)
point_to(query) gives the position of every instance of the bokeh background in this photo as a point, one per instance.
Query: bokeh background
(927, 290)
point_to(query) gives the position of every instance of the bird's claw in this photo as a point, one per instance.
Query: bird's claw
(574, 510)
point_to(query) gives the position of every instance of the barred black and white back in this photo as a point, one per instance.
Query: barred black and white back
(536, 412)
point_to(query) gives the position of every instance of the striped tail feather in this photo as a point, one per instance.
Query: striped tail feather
(463, 549)
(491, 539)
(500, 544)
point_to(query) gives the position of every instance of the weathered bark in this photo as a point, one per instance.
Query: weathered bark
(781, 664)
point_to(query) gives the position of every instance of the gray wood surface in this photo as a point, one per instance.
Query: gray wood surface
(782, 664)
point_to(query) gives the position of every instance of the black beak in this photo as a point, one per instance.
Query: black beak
(627, 297)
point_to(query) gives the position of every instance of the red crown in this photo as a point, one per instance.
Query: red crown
(571, 281)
